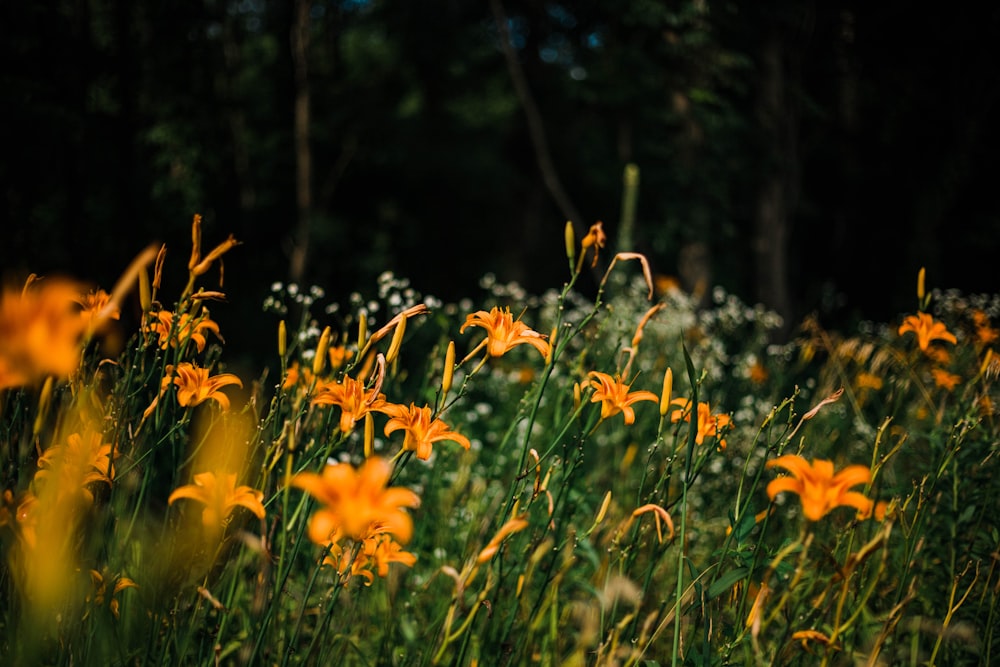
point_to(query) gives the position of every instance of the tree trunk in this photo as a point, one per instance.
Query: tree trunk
(303, 154)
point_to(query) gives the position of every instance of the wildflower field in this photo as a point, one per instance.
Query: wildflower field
(515, 479)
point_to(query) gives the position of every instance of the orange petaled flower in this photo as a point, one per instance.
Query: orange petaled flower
(818, 487)
(40, 331)
(614, 396)
(352, 399)
(376, 551)
(220, 496)
(92, 309)
(101, 589)
(926, 329)
(79, 462)
(297, 374)
(595, 239)
(985, 334)
(503, 332)
(356, 503)
(194, 386)
(709, 425)
(944, 379)
(187, 328)
(420, 427)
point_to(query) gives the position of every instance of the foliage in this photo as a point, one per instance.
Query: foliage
(464, 483)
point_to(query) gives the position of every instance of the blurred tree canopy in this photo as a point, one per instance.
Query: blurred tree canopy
(809, 155)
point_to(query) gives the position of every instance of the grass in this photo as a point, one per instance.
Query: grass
(427, 483)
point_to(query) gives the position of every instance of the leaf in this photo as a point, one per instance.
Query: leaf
(726, 581)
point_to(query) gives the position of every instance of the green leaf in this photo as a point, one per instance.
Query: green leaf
(726, 581)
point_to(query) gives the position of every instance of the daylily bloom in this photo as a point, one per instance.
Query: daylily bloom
(194, 386)
(614, 396)
(220, 496)
(78, 462)
(818, 487)
(377, 551)
(926, 329)
(187, 328)
(595, 239)
(944, 379)
(40, 331)
(93, 305)
(356, 503)
(709, 425)
(421, 429)
(101, 587)
(352, 399)
(503, 332)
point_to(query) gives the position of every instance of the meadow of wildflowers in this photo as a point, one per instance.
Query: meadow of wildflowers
(514, 479)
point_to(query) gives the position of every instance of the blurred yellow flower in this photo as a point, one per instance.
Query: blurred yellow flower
(926, 329)
(79, 462)
(944, 379)
(186, 328)
(614, 396)
(709, 425)
(503, 332)
(352, 399)
(356, 503)
(420, 428)
(220, 496)
(376, 551)
(40, 331)
(119, 582)
(818, 487)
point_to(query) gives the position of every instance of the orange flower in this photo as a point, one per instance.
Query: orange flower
(187, 328)
(614, 396)
(352, 399)
(985, 334)
(504, 333)
(101, 587)
(595, 239)
(40, 331)
(78, 462)
(944, 379)
(926, 329)
(377, 551)
(194, 386)
(421, 429)
(297, 374)
(709, 425)
(356, 503)
(92, 307)
(818, 487)
(220, 496)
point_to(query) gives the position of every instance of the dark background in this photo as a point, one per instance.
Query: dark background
(810, 155)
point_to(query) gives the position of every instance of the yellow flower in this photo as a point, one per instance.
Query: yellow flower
(818, 487)
(614, 396)
(79, 462)
(865, 380)
(352, 399)
(40, 331)
(187, 328)
(709, 425)
(194, 386)
(944, 379)
(101, 587)
(421, 429)
(377, 551)
(503, 332)
(356, 503)
(926, 329)
(220, 496)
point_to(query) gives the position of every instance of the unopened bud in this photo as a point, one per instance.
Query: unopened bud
(920, 285)
(319, 361)
(362, 331)
(145, 291)
(668, 387)
(570, 242)
(448, 373)
(397, 341)
(282, 339)
(369, 435)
